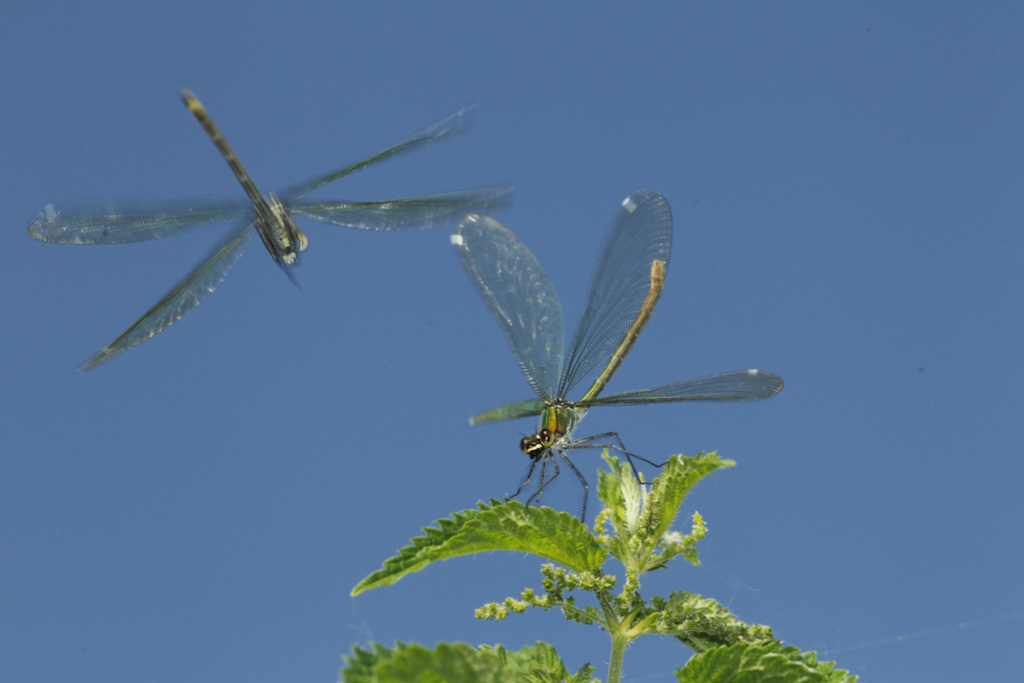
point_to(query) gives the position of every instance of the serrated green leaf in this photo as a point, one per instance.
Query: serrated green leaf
(556, 536)
(679, 475)
(358, 666)
(746, 664)
(445, 663)
(423, 551)
(702, 623)
(585, 674)
(540, 663)
(453, 662)
(828, 670)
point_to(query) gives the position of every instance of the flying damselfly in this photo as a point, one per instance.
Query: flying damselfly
(271, 217)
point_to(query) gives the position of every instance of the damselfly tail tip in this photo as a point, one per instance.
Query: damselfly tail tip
(191, 101)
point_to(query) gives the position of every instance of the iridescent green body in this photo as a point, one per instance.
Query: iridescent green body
(556, 423)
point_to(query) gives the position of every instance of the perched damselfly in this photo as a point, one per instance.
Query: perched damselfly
(627, 282)
(270, 216)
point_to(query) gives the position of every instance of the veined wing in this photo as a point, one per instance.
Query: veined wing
(528, 408)
(120, 225)
(640, 233)
(411, 212)
(185, 296)
(739, 385)
(519, 295)
(454, 124)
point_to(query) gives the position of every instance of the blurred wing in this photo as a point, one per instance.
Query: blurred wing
(640, 233)
(188, 294)
(448, 127)
(120, 225)
(739, 385)
(413, 212)
(530, 408)
(519, 295)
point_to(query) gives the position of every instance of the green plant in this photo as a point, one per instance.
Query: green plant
(634, 529)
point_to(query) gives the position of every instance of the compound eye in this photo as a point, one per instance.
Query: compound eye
(546, 437)
(532, 446)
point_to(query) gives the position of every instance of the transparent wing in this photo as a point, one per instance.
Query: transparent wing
(112, 225)
(188, 294)
(412, 212)
(739, 385)
(529, 408)
(451, 125)
(640, 233)
(519, 294)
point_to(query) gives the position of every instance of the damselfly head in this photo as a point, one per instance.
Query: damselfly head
(537, 444)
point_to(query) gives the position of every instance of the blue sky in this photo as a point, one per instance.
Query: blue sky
(845, 181)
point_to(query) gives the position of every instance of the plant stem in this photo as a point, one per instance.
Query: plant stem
(619, 642)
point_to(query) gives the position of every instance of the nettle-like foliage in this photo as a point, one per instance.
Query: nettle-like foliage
(634, 529)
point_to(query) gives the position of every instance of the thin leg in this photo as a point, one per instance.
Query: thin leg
(621, 447)
(586, 486)
(526, 480)
(587, 442)
(535, 498)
